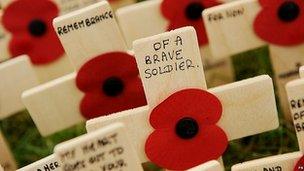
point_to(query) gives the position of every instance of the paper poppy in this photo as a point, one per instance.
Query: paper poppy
(111, 84)
(300, 165)
(30, 23)
(281, 22)
(186, 133)
(182, 13)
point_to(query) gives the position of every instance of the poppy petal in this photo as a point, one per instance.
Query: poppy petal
(29, 10)
(167, 150)
(196, 103)
(300, 165)
(282, 33)
(93, 73)
(42, 48)
(46, 49)
(176, 14)
(171, 9)
(210, 3)
(20, 45)
(96, 104)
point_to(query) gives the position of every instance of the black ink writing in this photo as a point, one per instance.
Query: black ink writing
(99, 143)
(49, 167)
(276, 168)
(114, 165)
(231, 13)
(75, 166)
(291, 73)
(168, 57)
(88, 22)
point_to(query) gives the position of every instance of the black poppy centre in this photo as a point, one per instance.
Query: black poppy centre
(194, 11)
(113, 86)
(288, 11)
(187, 128)
(37, 28)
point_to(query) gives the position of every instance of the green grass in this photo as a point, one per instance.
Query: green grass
(28, 146)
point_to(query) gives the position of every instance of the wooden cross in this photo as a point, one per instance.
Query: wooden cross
(50, 70)
(243, 102)
(295, 95)
(108, 148)
(284, 161)
(234, 28)
(209, 166)
(6, 158)
(18, 74)
(134, 25)
(49, 163)
(101, 35)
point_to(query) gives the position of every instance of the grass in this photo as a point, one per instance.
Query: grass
(28, 146)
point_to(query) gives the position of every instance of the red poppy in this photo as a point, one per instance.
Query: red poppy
(300, 165)
(186, 133)
(182, 13)
(30, 23)
(111, 84)
(281, 22)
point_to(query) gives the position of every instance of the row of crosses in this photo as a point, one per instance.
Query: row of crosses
(172, 73)
(171, 70)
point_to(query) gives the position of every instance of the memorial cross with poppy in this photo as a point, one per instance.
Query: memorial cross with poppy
(276, 23)
(28, 30)
(30, 24)
(106, 80)
(31, 53)
(184, 124)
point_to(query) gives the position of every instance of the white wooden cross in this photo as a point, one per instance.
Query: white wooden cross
(286, 161)
(230, 28)
(295, 95)
(248, 106)
(146, 19)
(55, 106)
(18, 74)
(106, 149)
(6, 158)
(61, 66)
(49, 163)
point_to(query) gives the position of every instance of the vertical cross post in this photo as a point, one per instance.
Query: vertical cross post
(134, 25)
